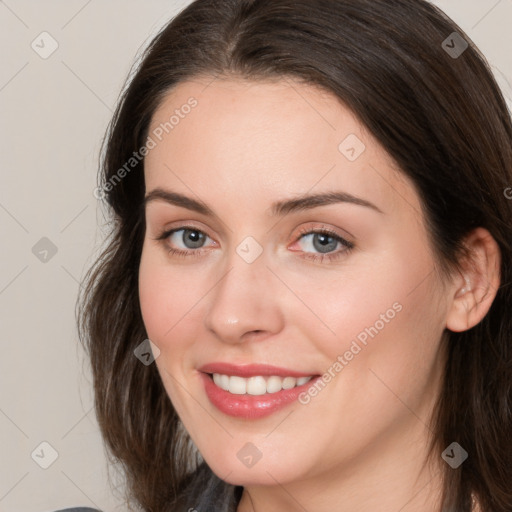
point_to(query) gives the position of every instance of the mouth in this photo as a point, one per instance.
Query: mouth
(253, 391)
(257, 385)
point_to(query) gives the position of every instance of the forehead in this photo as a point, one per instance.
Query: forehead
(238, 115)
(277, 138)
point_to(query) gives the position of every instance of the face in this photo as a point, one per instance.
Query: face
(299, 338)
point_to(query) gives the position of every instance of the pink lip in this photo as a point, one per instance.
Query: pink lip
(250, 406)
(251, 370)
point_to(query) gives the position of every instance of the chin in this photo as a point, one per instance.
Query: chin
(237, 468)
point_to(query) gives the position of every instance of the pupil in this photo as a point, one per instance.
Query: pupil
(192, 236)
(323, 243)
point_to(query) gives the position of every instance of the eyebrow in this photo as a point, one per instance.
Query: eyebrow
(279, 208)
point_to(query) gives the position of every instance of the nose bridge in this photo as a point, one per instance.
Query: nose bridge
(244, 300)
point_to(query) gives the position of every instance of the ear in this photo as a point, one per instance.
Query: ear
(474, 289)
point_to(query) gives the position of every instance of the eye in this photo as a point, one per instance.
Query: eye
(191, 238)
(319, 241)
(187, 241)
(184, 241)
(325, 241)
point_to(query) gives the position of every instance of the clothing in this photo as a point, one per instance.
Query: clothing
(205, 493)
(79, 509)
(208, 493)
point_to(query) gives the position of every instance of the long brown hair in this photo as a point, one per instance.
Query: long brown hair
(442, 118)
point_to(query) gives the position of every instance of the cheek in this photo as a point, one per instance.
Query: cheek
(393, 351)
(152, 296)
(357, 304)
(164, 297)
(390, 317)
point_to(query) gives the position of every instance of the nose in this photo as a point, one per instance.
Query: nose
(245, 303)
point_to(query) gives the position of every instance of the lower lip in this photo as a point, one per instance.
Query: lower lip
(251, 406)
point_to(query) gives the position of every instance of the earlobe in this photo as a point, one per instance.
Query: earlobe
(474, 290)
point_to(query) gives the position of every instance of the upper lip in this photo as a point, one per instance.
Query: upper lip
(251, 370)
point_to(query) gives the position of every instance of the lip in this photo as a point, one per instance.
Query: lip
(251, 407)
(251, 370)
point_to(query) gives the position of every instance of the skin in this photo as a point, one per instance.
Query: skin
(361, 443)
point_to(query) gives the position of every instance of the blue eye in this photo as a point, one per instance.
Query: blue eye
(324, 241)
(190, 237)
(194, 237)
(321, 242)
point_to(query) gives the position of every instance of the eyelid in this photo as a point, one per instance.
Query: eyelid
(158, 211)
(324, 228)
(348, 245)
(166, 232)
(178, 225)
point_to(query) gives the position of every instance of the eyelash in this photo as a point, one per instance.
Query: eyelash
(318, 257)
(328, 257)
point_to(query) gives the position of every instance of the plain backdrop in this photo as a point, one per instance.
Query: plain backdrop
(54, 111)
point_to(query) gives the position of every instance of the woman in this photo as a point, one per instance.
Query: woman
(311, 226)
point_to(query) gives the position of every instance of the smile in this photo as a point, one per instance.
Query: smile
(252, 391)
(258, 385)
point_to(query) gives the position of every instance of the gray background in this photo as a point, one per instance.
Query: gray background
(54, 112)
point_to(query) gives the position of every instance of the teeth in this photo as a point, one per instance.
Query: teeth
(257, 385)
(237, 385)
(224, 381)
(289, 382)
(274, 384)
(217, 379)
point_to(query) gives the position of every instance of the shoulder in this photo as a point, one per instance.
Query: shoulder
(208, 493)
(78, 509)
